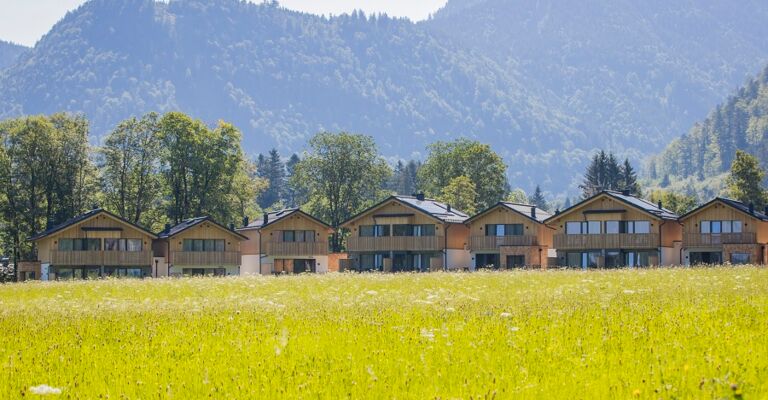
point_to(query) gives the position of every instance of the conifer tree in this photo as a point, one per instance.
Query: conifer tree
(745, 180)
(537, 199)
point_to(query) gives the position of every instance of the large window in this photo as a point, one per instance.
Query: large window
(372, 262)
(374, 230)
(79, 244)
(122, 244)
(504, 230)
(584, 228)
(740, 258)
(413, 230)
(298, 236)
(208, 245)
(640, 227)
(717, 227)
(583, 259)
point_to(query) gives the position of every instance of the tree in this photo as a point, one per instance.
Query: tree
(341, 174)
(463, 157)
(537, 199)
(675, 202)
(272, 169)
(404, 179)
(130, 171)
(628, 179)
(746, 179)
(605, 173)
(460, 194)
(293, 197)
(517, 196)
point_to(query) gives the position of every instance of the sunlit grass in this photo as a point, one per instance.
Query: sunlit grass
(685, 333)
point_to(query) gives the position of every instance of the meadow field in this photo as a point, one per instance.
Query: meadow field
(661, 333)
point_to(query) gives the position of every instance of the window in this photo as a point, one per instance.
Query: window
(573, 228)
(573, 260)
(740, 258)
(424, 230)
(611, 227)
(613, 259)
(504, 230)
(727, 226)
(402, 230)
(122, 244)
(289, 236)
(514, 230)
(717, 227)
(199, 245)
(515, 261)
(736, 226)
(594, 227)
(642, 227)
(374, 230)
(79, 244)
(705, 226)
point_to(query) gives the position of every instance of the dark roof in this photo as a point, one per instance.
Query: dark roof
(431, 207)
(83, 217)
(732, 203)
(189, 223)
(523, 209)
(275, 216)
(636, 202)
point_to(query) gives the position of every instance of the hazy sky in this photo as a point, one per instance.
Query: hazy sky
(25, 21)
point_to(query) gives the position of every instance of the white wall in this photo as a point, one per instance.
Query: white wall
(458, 259)
(250, 265)
(671, 255)
(162, 267)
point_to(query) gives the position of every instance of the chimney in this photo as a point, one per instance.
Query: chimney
(557, 212)
(420, 196)
(626, 192)
(167, 228)
(533, 212)
(246, 221)
(751, 208)
(766, 210)
(266, 219)
(449, 208)
(661, 205)
(231, 226)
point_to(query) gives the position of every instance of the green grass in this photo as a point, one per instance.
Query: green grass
(686, 333)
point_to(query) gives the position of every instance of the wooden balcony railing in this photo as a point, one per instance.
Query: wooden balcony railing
(99, 258)
(205, 258)
(607, 241)
(296, 248)
(395, 243)
(479, 243)
(717, 239)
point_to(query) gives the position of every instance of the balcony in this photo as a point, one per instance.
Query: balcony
(480, 243)
(282, 249)
(205, 258)
(395, 243)
(717, 239)
(607, 241)
(99, 258)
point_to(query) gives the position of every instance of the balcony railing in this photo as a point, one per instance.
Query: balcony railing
(607, 241)
(202, 258)
(717, 239)
(296, 248)
(479, 243)
(395, 243)
(99, 258)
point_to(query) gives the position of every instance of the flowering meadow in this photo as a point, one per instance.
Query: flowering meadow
(666, 333)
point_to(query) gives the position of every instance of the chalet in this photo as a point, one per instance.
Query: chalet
(199, 246)
(510, 235)
(725, 230)
(93, 245)
(615, 229)
(408, 233)
(287, 241)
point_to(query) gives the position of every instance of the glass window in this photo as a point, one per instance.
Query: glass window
(574, 260)
(402, 230)
(111, 244)
(611, 227)
(727, 226)
(740, 258)
(289, 236)
(300, 236)
(133, 244)
(592, 258)
(736, 227)
(309, 236)
(594, 227)
(65, 245)
(717, 227)
(382, 230)
(208, 245)
(642, 227)
(513, 230)
(705, 226)
(198, 245)
(613, 259)
(427, 230)
(573, 228)
(366, 230)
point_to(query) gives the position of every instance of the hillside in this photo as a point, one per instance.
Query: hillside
(279, 75)
(544, 85)
(9, 53)
(636, 74)
(706, 152)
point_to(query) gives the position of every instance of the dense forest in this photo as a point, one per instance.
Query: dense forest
(544, 85)
(707, 151)
(9, 53)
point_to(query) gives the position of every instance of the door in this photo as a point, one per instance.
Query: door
(515, 261)
(487, 261)
(303, 266)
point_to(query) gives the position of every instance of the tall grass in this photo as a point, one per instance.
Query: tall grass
(686, 333)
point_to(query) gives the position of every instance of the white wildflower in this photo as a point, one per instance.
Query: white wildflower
(505, 315)
(44, 390)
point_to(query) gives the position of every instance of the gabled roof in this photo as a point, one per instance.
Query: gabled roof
(189, 223)
(83, 217)
(635, 202)
(433, 208)
(522, 209)
(274, 217)
(739, 206)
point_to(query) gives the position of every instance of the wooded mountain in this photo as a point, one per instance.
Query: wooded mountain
(707, 151)
(545, 84)
(9, 53)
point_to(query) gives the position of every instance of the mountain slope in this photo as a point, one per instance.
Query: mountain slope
(279, 75)
(637, 74)
(707, 151)
(9, 53)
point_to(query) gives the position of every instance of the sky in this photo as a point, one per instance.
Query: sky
(26, 21)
